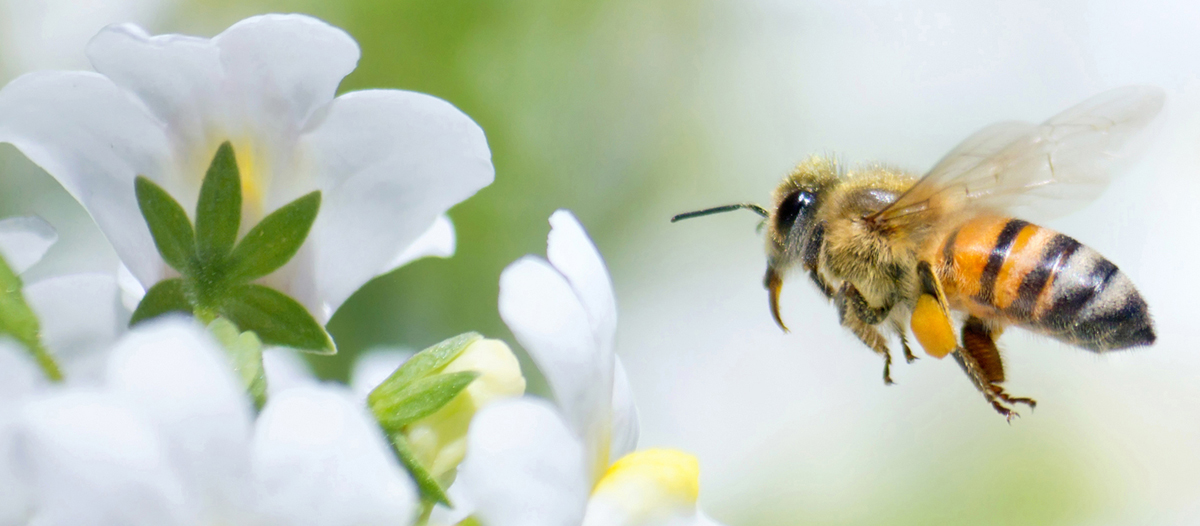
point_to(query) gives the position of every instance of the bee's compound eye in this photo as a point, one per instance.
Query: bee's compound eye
(792, 207)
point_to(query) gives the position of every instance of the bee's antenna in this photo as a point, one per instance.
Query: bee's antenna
(727, 208)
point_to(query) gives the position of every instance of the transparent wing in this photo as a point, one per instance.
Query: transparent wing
(1033, 171)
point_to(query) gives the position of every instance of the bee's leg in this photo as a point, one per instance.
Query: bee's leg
(979, 378)
(930, 319)
(812, 258)
(822, 285)
(861, 319)
(908, 354)
(980, 358)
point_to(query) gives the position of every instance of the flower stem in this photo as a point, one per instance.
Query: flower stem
(426, 511)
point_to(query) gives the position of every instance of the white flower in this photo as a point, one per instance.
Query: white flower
(24, 240)
(388, 162)
(530, 463)
(80, 315)
(19, 378)
(170, 439)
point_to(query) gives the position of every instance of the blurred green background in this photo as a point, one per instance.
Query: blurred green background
(626, 111)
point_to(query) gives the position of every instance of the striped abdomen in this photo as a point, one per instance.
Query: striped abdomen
(999, 267)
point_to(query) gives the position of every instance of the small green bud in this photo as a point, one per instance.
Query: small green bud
(439, 440)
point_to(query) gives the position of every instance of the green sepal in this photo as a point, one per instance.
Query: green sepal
(244, 351)
(274, 240)
(169, 224)
(276, 318)
(428, 486)
(18, 321)
(168, 295)
(422, 364)
(420, 399)
(219, 209)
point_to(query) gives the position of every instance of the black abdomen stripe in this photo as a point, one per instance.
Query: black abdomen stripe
(1004, 243)
(1094, 305)
(1057, 252)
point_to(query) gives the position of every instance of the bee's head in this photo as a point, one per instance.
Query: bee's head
(791, 223)
(793, 213)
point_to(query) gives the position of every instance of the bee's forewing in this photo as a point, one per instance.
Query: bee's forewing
(1034, 171)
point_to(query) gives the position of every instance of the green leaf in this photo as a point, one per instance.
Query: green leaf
(426, 484)
(244, 351)
(168, 224)
(219, 209)
(420, 399)
(18, 321)
(422, 364)
(168, 295)
(272, 242)
(276, 318)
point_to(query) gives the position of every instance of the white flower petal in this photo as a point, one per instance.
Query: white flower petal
(24, 240)
(285, 369)
(179, 78)
(571, 251)
(132, 291)
(389, 162)
(19, 377)
(651, 487)
(438, 241)
(319, 459)
(94, 461)
(524, 467)
(544, 313)
(178, 376)
(94, 139)
(373, 367)
(51, 34)
(625, 414)
(81, 316)
(282, 68)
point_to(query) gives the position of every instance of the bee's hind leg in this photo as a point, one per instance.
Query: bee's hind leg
(908, 354)
(861, 319)
(980, 358)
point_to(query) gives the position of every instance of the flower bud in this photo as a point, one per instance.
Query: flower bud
(439, 440)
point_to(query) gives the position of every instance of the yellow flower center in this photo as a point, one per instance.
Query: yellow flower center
(254, 183)
(652, 479)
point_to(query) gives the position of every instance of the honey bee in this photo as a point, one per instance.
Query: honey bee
(892, 250)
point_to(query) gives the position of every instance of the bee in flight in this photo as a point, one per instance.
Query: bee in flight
(891, 249)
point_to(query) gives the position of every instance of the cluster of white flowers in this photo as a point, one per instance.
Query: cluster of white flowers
(179, 421)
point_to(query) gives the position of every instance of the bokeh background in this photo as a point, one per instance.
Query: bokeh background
(628, 111)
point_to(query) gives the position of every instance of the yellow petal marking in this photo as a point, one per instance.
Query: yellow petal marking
(653, 477)
(254, 185)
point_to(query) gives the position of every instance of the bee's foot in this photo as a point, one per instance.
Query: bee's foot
(1013, 399)
(1007, 413)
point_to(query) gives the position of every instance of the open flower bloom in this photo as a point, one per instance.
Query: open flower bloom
(170, 439)
(389, 163)
(530, 463)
